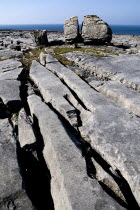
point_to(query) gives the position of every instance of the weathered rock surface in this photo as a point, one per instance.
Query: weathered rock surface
(119, 93)
(10, 69)
(118, 68)
(71, 30)
(12, 195)
(106, 129)
(25, 130)
(9, 93)
(54, 92)
(114, 134)
(84, 92)
(95, 30)
(70, 186)
(6, 53)
(40, 37)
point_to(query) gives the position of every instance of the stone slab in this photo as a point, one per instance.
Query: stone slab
(124, 68)
(9, 93)
(122, 95)
(84, 92)
(54, 92)
(115, 136)
(111, 130)
(12, 196)
(25, 131)
(70, 186)
(6, 53)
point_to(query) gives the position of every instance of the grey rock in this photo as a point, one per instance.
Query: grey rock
(124, 96)
(118, 68)
(54, 92)
(12, 196)
(85, 93)
(25, 130)
(103, 177)
(70, 186)
(9, 65)
(40, 37)
(10, 69)
(42, 58)
(9, 93)
(110, 129)
(71, 30)
(7, 53)
(95, 30)
(114, 134)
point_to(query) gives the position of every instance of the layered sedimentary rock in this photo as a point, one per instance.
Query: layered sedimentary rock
(71, 30)
(40, 37)
(95, 30)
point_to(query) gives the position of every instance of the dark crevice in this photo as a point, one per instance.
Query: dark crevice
(113, 195)
(72, 92)
(33, 169)
(88, 154)
(123, 185)
(77, 111)
(24, 89)
(35, 174)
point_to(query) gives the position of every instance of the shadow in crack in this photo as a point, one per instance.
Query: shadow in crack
(123, 185)
(35, 174)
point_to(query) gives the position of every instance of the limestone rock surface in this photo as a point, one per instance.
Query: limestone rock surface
(12, 196)
(70, 187)
(40, 37)
(25, 130)
(71, 30)
(95, 30)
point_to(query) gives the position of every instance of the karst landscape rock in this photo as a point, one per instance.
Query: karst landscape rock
(69, 119)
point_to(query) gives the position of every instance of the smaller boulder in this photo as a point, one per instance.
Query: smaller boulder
(95, 30)
(71, 30)
(40, 37)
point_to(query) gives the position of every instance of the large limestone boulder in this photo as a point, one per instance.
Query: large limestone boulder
(40, 37)
(95, 30)
(71, 30)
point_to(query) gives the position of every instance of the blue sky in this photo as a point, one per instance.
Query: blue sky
(56, 11)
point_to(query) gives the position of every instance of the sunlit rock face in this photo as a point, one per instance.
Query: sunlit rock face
(95, 30)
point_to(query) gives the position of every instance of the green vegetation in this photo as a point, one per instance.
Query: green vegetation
(62, 59)
(30, 55)
(97, 52)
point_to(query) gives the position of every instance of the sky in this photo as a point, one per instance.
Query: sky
(124, 12)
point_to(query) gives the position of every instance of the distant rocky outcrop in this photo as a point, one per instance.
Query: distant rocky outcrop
(95, 30)
(40, 37)
(71, 30)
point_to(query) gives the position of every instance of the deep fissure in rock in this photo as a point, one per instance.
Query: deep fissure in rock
(89, 153)
(35, 174)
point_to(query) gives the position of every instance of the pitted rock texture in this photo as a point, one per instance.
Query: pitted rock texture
(71, 30)
(95, 30)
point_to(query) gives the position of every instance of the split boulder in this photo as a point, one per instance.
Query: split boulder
(95, 30)
(71, 30)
